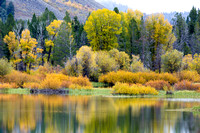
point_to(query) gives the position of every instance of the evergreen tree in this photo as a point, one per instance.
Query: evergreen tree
(134, 35)
(67, 18)
(11, 9)
(3, 4)
(192, 20)
(65, 47)
(186, 49)
(180, 30)
(76, 27)
(3, 14)
(116, 10)
(48, 17)
(44, 20)
(34, 27)
(10, 23)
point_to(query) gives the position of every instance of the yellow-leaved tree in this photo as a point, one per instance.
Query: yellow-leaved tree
(28, 48)
(160, 37)
(24, 53)
(53, 30)
(102, 28)
(13, 46)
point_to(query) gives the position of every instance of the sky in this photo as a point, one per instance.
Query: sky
(158, 6)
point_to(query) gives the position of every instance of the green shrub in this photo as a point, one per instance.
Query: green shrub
(5, 67)
(171, 61)
(137, 65)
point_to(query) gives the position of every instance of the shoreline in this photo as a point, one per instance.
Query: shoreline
(107, 92)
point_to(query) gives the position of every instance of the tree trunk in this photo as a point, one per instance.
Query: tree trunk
(49, 54)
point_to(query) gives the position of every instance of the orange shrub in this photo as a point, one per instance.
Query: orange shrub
(51, 83)
(66, 84)
(57, 81)
(19, 78)
(186, 85)
(32, 85)
(5, 86)
(82, 81)
(188, 75)
(158, 84)
(140, 77)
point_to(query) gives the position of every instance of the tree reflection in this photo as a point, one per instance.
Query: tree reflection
(72, 114)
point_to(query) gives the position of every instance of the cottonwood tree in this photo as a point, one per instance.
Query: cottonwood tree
(102, 27)
(160, 38)
(24, 52)
(13, 46)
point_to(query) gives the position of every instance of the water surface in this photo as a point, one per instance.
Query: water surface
(89, 114)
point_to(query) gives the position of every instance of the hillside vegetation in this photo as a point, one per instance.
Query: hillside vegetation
(24, 9)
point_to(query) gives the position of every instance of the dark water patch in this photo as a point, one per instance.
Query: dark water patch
(50, 91)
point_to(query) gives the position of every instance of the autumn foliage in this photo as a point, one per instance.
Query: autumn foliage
(158, 84)
(186, 85)
(135, 89)
(37, 80)
(192, 76)
(140, 77)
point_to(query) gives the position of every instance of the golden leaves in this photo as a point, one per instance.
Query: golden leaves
(160, 29)
(12, 42)
(24, 49)
(102, 27)
(49, 43)
(54, 27)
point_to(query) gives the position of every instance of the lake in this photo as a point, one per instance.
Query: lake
(96, 114)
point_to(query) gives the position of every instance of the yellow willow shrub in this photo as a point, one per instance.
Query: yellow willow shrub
(61, 77)
(82, 81)
(32, 85)
(158, 84)
(140, 77)
(168, 77)
(135, 89)
(121, 76)
(19, 78)
(186, 85)
(188, 75)
(76, 86)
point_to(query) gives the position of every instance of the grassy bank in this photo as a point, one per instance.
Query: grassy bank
(15, 91)
(95, 92)
(108, 92)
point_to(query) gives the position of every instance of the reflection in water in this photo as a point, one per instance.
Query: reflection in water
(72, 114)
